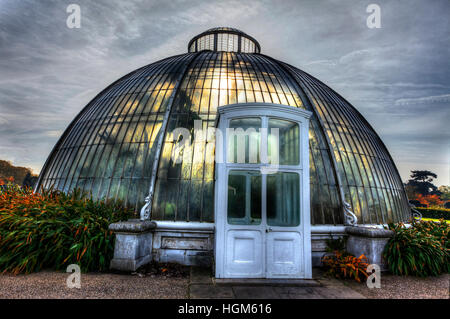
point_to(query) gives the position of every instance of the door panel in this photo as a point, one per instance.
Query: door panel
(244, 253)
(284, 252)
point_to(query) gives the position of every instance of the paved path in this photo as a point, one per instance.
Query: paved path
(52, 285)
(203, 286)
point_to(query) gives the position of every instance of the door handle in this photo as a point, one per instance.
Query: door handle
(269, 229)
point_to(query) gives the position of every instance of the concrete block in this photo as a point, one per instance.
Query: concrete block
(368, 241)
(133, 245)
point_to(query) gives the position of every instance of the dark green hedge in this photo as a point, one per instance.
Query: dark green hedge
(436, 213)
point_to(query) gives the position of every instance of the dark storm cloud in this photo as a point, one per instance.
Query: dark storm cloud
(396, 76)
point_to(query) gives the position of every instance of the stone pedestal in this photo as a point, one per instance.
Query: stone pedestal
(133, 247)
(368, 241)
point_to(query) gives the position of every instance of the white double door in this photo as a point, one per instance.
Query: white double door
(263, 234)
(262, 193)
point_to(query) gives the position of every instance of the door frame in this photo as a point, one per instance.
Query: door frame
(225, 113)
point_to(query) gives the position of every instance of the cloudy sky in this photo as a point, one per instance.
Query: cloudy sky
(397, 76)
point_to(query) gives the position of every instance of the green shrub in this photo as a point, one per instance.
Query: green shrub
(434, 212)
(53, 230)
(420, 250)
(441, 232)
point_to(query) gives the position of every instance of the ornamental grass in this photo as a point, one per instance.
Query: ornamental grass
(51, 230)
(420, 250)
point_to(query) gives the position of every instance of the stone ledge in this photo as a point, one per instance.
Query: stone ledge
(132, 226)
(369, 232)
(370, 242)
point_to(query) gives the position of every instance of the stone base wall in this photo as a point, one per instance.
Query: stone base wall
(192, 244)
(186, 247)
(319, 237)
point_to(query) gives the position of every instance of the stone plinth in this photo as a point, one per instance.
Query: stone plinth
(133, 246)
(368, 241)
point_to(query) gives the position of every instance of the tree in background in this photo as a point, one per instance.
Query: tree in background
(445, 192)
(423, 193)
(22, 176)
(421, 182)
(29, 180)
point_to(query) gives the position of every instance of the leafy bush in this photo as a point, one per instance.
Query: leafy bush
(441, 232)
(434, 212)
(53, 230)
(420, 250)
(343, 265)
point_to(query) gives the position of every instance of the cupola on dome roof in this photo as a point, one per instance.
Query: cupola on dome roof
(119, 146)
(224, 39)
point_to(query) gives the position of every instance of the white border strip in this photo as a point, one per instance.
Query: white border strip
(179, 225)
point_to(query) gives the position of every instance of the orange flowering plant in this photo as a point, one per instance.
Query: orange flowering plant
(344, 265)
(6, 181)
(52, 229)
(429, 200)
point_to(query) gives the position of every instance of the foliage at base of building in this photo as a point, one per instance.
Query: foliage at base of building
(52, 230)
(420, 250)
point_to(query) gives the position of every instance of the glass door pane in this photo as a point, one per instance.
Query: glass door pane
(283, 199)
(244, 141)
(244, 198)
(284, 147)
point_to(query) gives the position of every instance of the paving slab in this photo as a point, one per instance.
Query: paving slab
(200, 275)
(203, 285)
(255, 292)
(266, 282)
(341, 292)
(329, 282)
(293, 290)
(200, 291)
(306, 296)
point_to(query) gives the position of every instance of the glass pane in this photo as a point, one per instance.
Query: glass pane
(283, 199)
(283, 145)
(244, 198)
(244, 141)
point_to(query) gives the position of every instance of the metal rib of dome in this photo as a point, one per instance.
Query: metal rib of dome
(109, 148)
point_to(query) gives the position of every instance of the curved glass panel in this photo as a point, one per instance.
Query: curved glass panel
(215, 79)
(109, 148)
(370, 179)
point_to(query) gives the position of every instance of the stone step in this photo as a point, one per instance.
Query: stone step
(266, 282)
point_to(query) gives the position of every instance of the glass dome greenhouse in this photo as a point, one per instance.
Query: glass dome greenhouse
(111, 148)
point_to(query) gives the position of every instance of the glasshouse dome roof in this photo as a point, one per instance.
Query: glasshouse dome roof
(109, 148)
